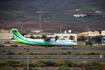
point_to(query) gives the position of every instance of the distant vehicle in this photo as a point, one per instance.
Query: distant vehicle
(103, 41)
(47, 42)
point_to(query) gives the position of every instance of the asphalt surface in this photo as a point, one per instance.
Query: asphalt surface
(56, 59)
(71, 57)
(50, 50)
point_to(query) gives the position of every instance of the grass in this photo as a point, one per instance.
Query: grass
(47, 54)
(40, 47)
(2, 20)
(84, 7)
(8, 12)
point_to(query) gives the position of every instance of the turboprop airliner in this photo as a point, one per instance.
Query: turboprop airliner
(47, 42)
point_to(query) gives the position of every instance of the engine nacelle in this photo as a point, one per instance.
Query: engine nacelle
(47, 39)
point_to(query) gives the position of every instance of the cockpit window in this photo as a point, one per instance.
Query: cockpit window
(72, 41)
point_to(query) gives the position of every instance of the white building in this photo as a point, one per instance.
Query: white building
(77, 15)
(38, 35)
(4, 37)
(66, 36)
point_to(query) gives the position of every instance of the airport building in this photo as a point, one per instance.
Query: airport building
(5, 31)
(61, 36)
(66, 36)
(92, 34)
(5, 36)
(40, 35)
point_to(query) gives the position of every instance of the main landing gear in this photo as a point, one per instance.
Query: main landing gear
(46, 46)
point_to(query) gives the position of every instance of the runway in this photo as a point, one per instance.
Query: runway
(50, 50)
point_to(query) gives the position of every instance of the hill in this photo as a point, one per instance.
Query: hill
(57, 13)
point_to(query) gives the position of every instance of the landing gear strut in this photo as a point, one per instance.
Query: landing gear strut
(46, 46)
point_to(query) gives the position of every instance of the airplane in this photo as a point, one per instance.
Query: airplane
(47, 42)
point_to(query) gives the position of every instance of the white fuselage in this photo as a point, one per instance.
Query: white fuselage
(56, 43)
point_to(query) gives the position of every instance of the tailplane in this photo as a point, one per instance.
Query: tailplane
(17, 35)
(19, 38)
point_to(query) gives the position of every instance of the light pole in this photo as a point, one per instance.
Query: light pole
(27, 62)
(39, 12)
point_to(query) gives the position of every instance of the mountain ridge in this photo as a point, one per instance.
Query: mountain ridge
(23, 12)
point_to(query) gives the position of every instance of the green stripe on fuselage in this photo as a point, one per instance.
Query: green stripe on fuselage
(22, 42)
(63, 40)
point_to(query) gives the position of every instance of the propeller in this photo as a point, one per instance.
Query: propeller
(47, 39)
